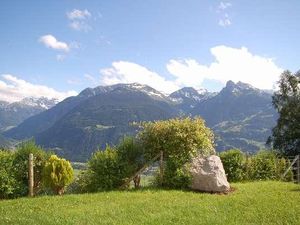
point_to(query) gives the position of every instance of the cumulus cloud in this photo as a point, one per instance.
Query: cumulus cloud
(78, 14)
(187, 72)
(237, 64)
(14, 89)
(78, 20)
(51, 42)
(128, 72)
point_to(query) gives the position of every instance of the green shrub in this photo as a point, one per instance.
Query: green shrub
(263, 166)
(20, 164)
(57, 174)
(104, 171)
(175, 175)
(110, 168)
(180, 140)
(8, 183)
(130, 156)
(234, 164)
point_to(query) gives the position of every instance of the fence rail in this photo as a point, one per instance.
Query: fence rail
(294, 167)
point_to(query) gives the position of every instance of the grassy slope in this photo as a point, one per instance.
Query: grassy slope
(252, 203)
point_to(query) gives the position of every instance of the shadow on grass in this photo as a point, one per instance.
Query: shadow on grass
(157, 189)
(297, 189)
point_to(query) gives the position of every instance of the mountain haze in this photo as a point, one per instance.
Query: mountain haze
(240, 115)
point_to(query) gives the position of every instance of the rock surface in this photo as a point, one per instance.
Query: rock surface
(208, 175)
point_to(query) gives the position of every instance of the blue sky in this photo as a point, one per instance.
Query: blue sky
(57, 48)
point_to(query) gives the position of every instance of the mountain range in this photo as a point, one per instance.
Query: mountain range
(12, 114)
(240, 115)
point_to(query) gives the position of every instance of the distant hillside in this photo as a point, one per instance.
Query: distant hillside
(240, 115)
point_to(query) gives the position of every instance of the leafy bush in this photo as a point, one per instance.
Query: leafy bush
(130, 156)
(234, 164)
(176, 176)
(104, 171)
(110, 168)
(180, 140)
(264, 165)
(57, 174)
(20, 164)
(8, 183)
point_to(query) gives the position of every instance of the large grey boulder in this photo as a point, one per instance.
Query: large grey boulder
(208, 175)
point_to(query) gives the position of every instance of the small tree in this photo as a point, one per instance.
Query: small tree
(130, 155)
(180, 140)
(20, 166)
(177, 138)
(57, 174)
(286, 134)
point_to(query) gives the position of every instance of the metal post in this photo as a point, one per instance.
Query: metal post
(30, 175)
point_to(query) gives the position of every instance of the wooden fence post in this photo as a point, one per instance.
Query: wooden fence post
(161, 167)
(30, 175)
(298, 170)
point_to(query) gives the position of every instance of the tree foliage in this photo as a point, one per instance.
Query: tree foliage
(180, 140)
(286, 134)
(108, 169)
(20, 164)
(177, 138)
(57, 174)
(8, 182)
(130, 156)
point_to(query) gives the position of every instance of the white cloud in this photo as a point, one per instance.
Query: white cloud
(225, 21)
(188, 73)
(78, 19)
(128, 72)
(236, 64)
(78, 14)
(51, 42)
(224, 5)
(13, 89)
(222, 11)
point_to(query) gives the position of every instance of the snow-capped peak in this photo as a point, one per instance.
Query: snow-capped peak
(42, 102)
(202, 91)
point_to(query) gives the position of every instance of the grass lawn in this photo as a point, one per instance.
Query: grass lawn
(251, 203)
